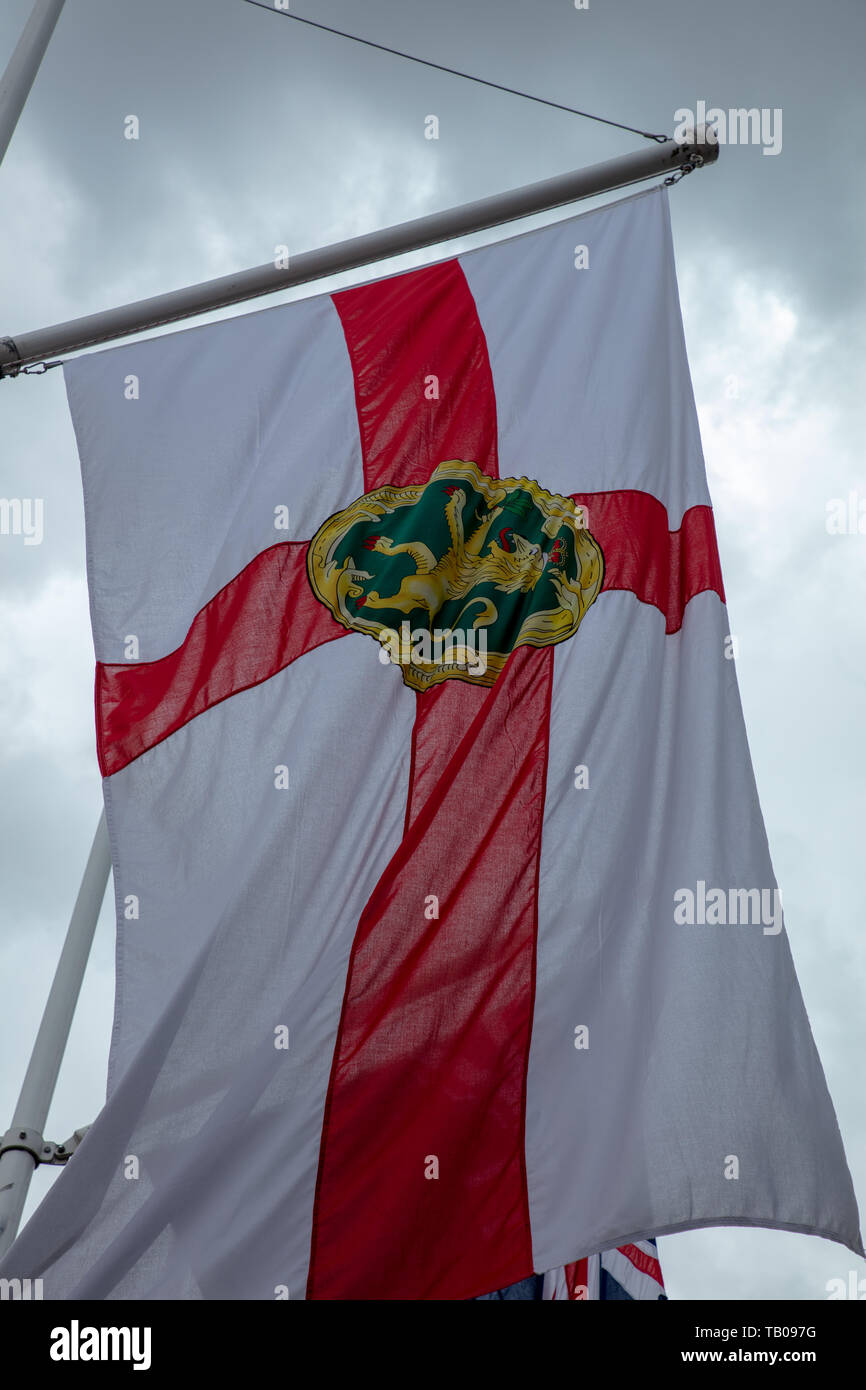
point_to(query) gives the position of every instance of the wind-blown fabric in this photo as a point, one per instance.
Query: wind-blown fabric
(423, 991)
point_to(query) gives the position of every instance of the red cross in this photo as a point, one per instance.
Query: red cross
(432, 1051)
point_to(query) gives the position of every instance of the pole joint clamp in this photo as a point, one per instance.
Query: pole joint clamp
(30, 1140)
(41, 1150)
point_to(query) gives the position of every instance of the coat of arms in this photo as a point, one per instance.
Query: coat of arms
(452, 575)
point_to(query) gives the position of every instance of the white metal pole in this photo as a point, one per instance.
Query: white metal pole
(103, 327)
(23, 66)
(24, 1140)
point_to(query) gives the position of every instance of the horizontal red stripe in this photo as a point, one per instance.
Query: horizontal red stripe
(662, 567)
(264, 618)
(645, 1263)
(267, 616)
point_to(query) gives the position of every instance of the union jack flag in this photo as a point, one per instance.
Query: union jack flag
(628, 1272)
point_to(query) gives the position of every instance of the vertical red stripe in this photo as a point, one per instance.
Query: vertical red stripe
(577, 1279)
(422, 1190)
(422, 375)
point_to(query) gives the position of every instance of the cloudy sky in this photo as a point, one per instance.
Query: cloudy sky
(256, 131)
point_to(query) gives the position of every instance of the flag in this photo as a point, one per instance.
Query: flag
(449, 949)
(630, 1272)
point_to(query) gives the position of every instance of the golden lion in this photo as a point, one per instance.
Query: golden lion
(461, 569)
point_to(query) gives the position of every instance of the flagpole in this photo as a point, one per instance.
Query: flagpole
(23, 1147)
(23, 66)
(671, 158)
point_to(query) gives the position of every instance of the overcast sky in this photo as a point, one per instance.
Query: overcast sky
(257, 131)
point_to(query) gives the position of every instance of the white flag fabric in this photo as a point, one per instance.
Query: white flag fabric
(449, 948)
